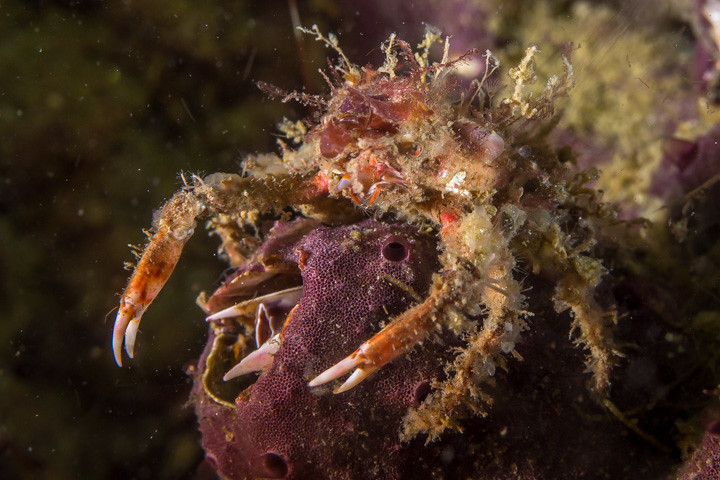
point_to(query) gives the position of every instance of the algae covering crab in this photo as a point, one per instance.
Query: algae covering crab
(406, 143)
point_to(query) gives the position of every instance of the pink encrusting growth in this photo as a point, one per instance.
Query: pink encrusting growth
(351, 282)
(705, 462)
(273, 426)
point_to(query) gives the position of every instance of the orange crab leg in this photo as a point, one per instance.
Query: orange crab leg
(175, 226)
(346, 184)
(157, 263)
(374, 195)
(174, 229)
(400, 335)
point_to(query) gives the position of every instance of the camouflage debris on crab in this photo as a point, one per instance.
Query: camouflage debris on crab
(397, 142)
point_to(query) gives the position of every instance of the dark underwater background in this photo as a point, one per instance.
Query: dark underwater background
(102, 106)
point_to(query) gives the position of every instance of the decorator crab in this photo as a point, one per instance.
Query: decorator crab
(405, 142)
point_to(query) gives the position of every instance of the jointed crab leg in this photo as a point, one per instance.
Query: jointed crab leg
(158, 261)
(412, 326)
(400, 335)
(215, 193)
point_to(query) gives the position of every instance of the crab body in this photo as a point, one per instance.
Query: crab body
(402, 146)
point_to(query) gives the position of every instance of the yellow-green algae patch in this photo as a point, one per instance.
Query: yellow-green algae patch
(627, 85)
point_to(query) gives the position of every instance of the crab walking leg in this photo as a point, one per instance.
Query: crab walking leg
(174, 228)
(404, 332)
(219, 192)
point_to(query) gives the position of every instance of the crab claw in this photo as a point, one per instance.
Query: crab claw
(356, 359)
(258, 360)
(175, 227)
(157, 263)
(404, 332)
(261, 358)
(284, 299)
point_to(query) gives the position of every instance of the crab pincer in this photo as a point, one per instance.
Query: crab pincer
(403, 333)
(175, 224)
(172, 230)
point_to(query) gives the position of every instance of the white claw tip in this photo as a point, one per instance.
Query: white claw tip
(117, 349)
(337, 370)
(258, 360)
(228, 312)
(358, 376)
(130, 334)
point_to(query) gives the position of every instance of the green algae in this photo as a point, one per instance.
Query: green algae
(630, 78)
